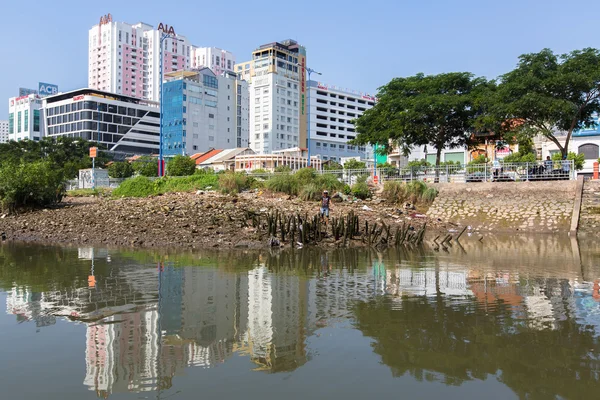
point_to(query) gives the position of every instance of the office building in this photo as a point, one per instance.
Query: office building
(332, 110)
(124, 58)
(277, 87)
(203, 111)
(4, 131)
(24, 120)
(116, 122)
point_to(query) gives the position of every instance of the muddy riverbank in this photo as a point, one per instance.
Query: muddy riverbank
(190, 220)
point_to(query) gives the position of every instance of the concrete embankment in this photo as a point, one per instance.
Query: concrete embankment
(589, 219)
(540, 207)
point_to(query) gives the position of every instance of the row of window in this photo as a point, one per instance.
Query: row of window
(93, 105)
(339, 146)
(23, 121)
(341, 97)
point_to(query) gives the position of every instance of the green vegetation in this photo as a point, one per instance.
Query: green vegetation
(435, 110)
(88, 192)
(142, 186)
(146, 166)
(519, 157)
(260, 171)
(306, 182)
(414, 192)
(360, 189)
(578, 159)
(120, 169)
(354, 164)
(283, 168)
(181, 166)
(30, 184)
(332, 166)
(547, 93)
(234, 182)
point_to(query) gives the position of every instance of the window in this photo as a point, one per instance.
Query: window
(26, 124)
(589, 150)
(211, 138)
(19, 122)
(211, 115)
(11, 123)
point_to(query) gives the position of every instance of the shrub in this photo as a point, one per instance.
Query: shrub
(146, 166)
(328, 182)
(306, 175)
(347, 189)
(285, 183)
(360, 189)
(429, 195)
(480, 159)
(418, 163)
(310, 191)
(181, 166)
(354, 164)
(120, 169)
(332, 166)
(232, 182)
(38, 183)
(394, 191)
(283, 168)
(260, 171)
(519, 157)
(578, 159)
(140, 186)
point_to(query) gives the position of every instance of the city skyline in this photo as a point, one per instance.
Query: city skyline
(437, 38)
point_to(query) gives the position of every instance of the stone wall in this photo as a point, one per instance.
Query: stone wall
(589, 219)
(541, 207)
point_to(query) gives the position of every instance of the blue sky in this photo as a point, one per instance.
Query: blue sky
(358, 45)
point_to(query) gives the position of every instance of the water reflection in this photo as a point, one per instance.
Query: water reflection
(523, 310)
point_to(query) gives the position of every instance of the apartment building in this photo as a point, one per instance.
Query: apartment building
(4, 131)
(125, 58)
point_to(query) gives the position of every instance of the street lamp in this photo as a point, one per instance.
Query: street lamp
(161, 171)
(310, 71)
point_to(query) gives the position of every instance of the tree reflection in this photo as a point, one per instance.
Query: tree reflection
(461, 341)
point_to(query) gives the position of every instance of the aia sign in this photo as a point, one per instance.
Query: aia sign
(169, 30)
(105, 19)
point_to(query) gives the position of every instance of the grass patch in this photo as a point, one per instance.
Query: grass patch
(306, 183)
(284, 183)
(88, 192)
(415, 192)
(232, 182)
(140, 186)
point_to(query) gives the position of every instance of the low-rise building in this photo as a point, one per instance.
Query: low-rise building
(221, 160)
(116, 122)
(585, 141)
(24, 121)
(294, 158)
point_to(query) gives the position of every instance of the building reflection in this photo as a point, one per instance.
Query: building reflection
(145, 324)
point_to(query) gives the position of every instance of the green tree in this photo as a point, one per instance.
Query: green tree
(435, 110)
(549, 94)
(578, 159)
(332, 166)
(181, 166)
(120, 169)
(146, 166)
(354, 164)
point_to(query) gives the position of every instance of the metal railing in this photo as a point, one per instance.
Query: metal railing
(502, 172)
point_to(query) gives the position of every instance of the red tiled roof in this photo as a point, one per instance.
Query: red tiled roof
(207, 155)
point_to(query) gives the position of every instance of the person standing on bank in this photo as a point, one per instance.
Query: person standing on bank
(325, 205)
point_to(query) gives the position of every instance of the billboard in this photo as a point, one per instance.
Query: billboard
(26, 92)
(47, 89)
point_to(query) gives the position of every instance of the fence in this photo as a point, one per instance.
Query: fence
(84, 184)
(502, 172)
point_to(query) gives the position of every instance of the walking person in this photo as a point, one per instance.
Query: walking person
(325, 205)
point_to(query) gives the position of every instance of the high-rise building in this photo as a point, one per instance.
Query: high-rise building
(125, 58)
(4, 131)
(331, 111)
(116, 122)
(277, 86)
(24, 120)
(203, 111)
(218, 60)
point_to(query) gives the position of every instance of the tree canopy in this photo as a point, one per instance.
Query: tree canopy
(181, 166)
(433, 110)
(549, 94)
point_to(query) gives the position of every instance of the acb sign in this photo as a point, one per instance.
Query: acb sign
(47, 89)
(169, 30)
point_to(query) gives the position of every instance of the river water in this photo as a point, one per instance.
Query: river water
(507, 317)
